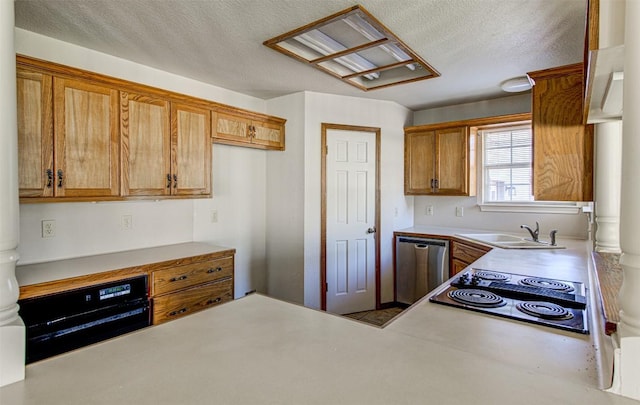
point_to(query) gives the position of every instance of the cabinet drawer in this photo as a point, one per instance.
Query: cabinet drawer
(172, 306)
(467, 253)
(177, 278)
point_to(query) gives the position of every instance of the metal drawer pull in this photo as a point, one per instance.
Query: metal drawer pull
(49, 178)
(60, 178)
(168, 181)
(212, 270)
(179, 278)
(178, 312)
(214, 301)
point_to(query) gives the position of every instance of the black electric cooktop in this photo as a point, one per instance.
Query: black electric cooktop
(556, 303)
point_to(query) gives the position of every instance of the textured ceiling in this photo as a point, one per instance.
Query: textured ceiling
(474, 44)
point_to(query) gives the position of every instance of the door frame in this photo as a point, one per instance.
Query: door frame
(323, 208)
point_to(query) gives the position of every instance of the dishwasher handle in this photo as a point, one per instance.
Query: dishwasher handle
(436, 242)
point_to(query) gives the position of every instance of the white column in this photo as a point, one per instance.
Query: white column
(627, 367)
(608, 170)
(12, 330)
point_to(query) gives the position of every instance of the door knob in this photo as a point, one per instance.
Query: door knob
(371, 230)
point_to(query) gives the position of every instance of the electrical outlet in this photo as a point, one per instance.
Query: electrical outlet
(126, 222)
(48, 228)
(459, 211)
(214, 216)
(429, 210)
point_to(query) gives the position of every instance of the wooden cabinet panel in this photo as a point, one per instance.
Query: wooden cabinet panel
(86, 139)
(268, 134)
(457, 266)
(145, 145)
(191, 150)
(420, 162)
(173, 279)
(35, 133)
(439, 161)
(451, 168)
(562, 145)
(244, 130)
(232, 127)
(172, 306)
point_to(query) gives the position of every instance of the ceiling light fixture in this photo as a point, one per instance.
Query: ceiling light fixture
(359, 24)
(353, 46)
(326, 45)
(517, 84)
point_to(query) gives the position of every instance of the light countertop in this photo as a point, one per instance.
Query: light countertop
(258, 350)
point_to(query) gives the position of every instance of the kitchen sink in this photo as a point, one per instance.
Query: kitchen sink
(506, 241)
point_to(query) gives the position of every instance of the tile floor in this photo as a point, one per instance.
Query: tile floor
(376, 318)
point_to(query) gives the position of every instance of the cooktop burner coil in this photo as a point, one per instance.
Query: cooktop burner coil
(491, 276)
(546, 310)
(545, 283)
(477, 298)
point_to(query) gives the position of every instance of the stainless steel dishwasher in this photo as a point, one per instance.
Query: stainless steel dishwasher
(421, 265)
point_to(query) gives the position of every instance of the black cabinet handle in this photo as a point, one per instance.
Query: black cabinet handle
(437, 184)
(60, 177)
(212, 270)
(178, 312)
(215, 301)
(168, 181)
(49, 178)
(178, 278)
(175, 181)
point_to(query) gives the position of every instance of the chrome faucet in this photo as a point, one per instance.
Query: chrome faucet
(534, 234)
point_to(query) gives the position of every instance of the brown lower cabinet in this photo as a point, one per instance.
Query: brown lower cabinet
(183, 290)
(463, 254)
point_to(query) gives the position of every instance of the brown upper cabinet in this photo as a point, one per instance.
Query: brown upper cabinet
(35, 134)
(67, 137)
(191, 150)
(562, 144)
(166, 147)
(439, 161)
(145, 145)
(83, 136)
(248, 129)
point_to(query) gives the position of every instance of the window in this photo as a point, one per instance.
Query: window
(505, 175)
(507, 164)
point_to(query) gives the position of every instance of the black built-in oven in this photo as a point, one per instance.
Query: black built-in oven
(72, 319)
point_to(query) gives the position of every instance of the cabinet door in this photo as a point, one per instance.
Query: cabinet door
(562, 145)
(86, 139)
(419, 162)
(35, 134)
(232, 128)
(269, 134)
(191, 150)
(145, 145)
(451, 161)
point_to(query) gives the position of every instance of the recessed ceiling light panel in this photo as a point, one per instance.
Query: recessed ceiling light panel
(355, 47)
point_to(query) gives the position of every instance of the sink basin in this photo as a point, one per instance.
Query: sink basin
(506, 241)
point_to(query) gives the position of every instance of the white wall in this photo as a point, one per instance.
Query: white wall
(239, 192)
(444, 214)
(514, 104)
(568, 225)
(391, 118)
(285, 204)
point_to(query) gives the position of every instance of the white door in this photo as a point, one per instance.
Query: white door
(350, 221)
